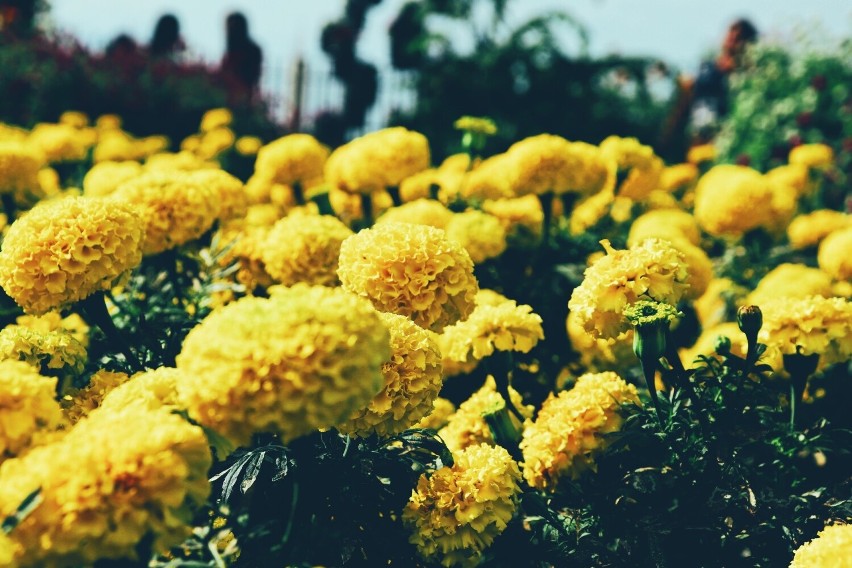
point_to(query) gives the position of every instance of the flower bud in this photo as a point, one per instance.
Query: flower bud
(750, 320)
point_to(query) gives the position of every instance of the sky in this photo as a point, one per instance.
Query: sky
(681, 32)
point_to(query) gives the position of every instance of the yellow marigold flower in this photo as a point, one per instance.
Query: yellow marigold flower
(548, 163)
(590, 210)
(467, 427)
(497, 327)
(53, 321)
(712, 307)
(20, 163)
(809, 229)
(412, 382)
(830, 549)
(790, 280)
(151, 145)
(227, 191)
(59, 142)
(304, 248)
(833, 254)
(215, 118)
(74, 118)
(302, 360)
(115, 478)
(698, 265)
(652, 270)
(569, 428)
(442, 409)
(152, 389)
(700, 154)
(108, 122)
(522, 217)
(27, 405)
(177, 162)
(812, 155)
(783, 205)
(455, 513)
(177, 208)
(79, 403)
(458, 163)
(481, 234)
(809, 325)
(791, 175)
(411, 270)
(248, 145)
(348, 207)
(115, 146)
(261, 190)
(54, 352)
(732, 200)
(642, 168)
(377, 160)
(64, 250)
(48, 181)
(420, 186)
(489, 179)
(215, 142)
(665, 224)
(706, 343)
(600, 354)
(480, 125)
(419, 212)
(7, 552)
(677, 177)
(105, 177)
(246, 244)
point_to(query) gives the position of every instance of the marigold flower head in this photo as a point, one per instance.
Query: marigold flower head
(548, 163)
(377, 160)
(115, 478)
(64, 250)
(479, 125)
(700, 154)
(177, 208)
(293, 158)
(791, 175)
(589, 211)
(304, 359)
(488, 179)
(732, 200)
(55, 352)
(828, 550)
(27, 405)
(809, 325)
(713, 306)
(666, 224)
(79, 403)
(677, 177)
(809, 229)
(442, 409)
(20, 163)
(600, 354)
(74, 119)
(59, 142)
(412, 381)
(411, 270)
(652, 270)
(53, 321)
(812, 155)
(171, 162)
(215, 118)
(504, 326)
(455, 513)
(304, 248)
(481, 234)
(248, 145)
(699, 266)
(790, 280)
(467, 427)
(522, 217)
(152, 389)
(420, 211)
(640, 165)
(833, 254)
(104, 177)
(227, 191)
(569, 428)
(215, 142)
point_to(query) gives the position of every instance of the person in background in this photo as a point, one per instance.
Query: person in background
(701, 102)
(166, 43)
(241, 64)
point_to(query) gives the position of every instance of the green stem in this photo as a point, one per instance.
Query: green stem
(395, 197)
(649, 367)
(546, 200)
(9, 206)
(367, 209)
(95, 312)
(794, 396)
(500, 365)
(298, 193)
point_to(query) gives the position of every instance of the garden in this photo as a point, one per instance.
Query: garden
(224, 344)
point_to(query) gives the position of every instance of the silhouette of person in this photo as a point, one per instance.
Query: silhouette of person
(166, 42)
(241, 64)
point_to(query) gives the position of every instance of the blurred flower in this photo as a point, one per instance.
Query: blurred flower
(700, 154)
(713, 306)
(833, 255)
(64, 250)
(548, 163)
(809, 229)
(56, 353)
(476, 124)
(420, 211)
(215, 118)
(20, 163)
(570, 428)
(104, 177)
(789, 280)
(248, 145)
(481, 234)
(638, 164)
(442, 409)
(151, 389)
(522, 217)
(304, 248)
(77, 403)
(652, 270)
(600, 354)
(243, 376)
(677, 177)
(668, 224)
(59, 142)
(732, 200)
(813, 156)
(455, 513)
(74, 119)
(228, 193)
(708, 340)
(412, 377)
(411, 270)
(809, 325)
(27, 406)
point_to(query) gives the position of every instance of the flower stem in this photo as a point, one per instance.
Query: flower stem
(298, 193)
(95, 312)
(649, 367)
(367, 209)
(546, 200)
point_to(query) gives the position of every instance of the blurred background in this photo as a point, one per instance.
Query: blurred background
(337, 68)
